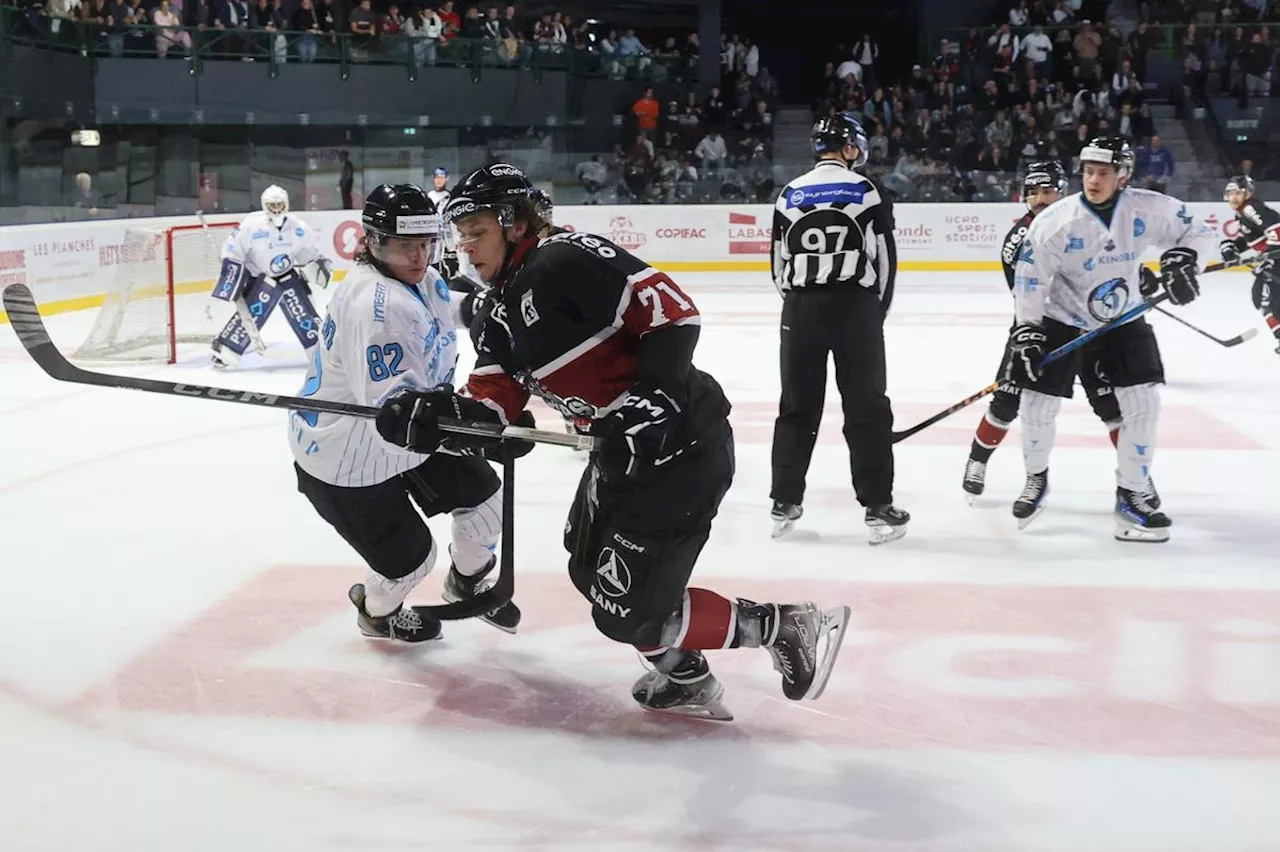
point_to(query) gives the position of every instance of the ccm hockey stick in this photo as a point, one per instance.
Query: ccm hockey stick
(1247, 334)
(33, 335)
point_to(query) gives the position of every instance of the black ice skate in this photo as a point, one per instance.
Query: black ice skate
(784, 517)
(804, 642)
(403, 625)
(682, 684)
(975, 479)
(1031, 502)
(1138, 520)
(460, 587)
(1153, 496)
(886, 523)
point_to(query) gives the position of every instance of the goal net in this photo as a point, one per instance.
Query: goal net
(159, 297)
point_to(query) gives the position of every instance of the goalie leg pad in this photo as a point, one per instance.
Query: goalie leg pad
(300, 312)
(1039, 428)
(1136, 445)
(230, 281)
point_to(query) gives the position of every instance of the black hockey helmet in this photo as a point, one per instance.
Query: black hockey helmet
(1048, 173)
(833, 132)
(399, 211)
(500, 188)
(1111, 150)
(1238, 183)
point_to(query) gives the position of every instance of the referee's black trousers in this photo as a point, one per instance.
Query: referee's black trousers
(848, 324)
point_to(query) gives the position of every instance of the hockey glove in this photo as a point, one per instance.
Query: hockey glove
(511, 447)
(324, 272)
(1148, 282)
(412, 420)
(1178, 275)
(1026, 351)
(638, 436)
(1230, 251)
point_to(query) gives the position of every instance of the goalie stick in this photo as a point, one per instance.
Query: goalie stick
(34, 337)
(1247, 334)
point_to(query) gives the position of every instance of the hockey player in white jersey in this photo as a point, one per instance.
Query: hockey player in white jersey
(262, 264)
(389, 329)
(1079, 268)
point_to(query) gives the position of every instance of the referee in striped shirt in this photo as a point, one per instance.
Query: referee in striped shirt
(834, 260)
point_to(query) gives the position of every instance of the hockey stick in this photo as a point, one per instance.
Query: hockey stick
(33, 335)
(1061, 351)
(1065, 349)
(1247, 334)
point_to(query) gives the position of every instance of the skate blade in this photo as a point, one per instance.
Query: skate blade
(486, 618)
(831, 629)
(781, 528)
(1126, 531)
(971, 498)
(885, 533)
(714, 712)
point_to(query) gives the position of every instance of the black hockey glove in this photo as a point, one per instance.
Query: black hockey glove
(412, 420)
(1148, 281)
(638, 436)
(1230, 251)
(1178, 275)
(511, 447)
(1026, 350)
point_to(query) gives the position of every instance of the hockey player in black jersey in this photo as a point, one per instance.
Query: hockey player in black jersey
(1259, 231)
(1045, 183)
(608, 340)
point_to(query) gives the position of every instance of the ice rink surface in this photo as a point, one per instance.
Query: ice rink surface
(180, 668)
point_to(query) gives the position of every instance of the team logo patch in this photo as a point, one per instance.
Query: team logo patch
(1139, 226)
(280, 264)
(442, 289)
(528, 312)
(613, 577)
(1108, 300)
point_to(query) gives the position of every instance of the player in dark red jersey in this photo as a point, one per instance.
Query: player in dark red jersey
(608, 340)
(1260, 232)
(1044, 183)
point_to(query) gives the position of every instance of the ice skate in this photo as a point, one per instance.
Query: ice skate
(975, 479)
(459, 587)
(886, 523)
(1137, 519)
(1030, 503)
(1153, 496)
(804, 642)
(402, 625)
(784, 517)
(687, 689)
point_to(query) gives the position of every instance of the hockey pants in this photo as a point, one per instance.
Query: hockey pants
(262, 296)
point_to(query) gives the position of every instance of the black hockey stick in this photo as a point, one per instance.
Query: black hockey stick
(1247, 334)
(34, 338)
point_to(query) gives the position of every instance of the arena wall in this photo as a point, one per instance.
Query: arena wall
(69, 266)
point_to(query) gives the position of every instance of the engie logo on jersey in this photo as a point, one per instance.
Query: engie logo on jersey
(1109, 299)
(827, 193)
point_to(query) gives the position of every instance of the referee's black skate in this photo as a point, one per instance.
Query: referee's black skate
(784, 517)
(886, 523)
(1031, 502)
(803, 640)
(405, 624)
(460, 587)
(681, 683)
(1138, 520)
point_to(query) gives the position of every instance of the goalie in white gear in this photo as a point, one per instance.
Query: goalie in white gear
(1078, 268)
(262, 264)
(389, 329)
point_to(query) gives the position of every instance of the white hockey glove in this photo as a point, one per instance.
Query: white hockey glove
(324, 272)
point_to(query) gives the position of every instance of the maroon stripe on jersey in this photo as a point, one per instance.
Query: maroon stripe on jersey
(491, 386)
(599, 374)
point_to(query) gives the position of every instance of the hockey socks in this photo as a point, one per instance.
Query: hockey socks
(988, 436)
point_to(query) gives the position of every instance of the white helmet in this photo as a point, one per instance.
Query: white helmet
(275, 203)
